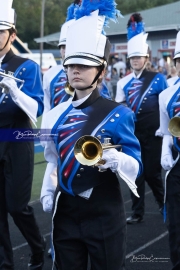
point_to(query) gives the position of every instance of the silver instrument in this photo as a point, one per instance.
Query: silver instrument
(5, 89)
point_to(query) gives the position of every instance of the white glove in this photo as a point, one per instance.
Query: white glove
(22, 100)
(9, 86)
(47, 202)
(158, 133)
(167, 161)
(111, 158)
(125, 167)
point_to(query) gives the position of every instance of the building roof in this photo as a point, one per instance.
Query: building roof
(19, 47)
(160, 18)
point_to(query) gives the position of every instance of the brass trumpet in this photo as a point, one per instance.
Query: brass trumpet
(3, 74)
(68, 89)
(88, 150)
(174, 126)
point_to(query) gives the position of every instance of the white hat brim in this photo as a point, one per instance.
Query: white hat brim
(177, 55)
(138, 54)
(83, 59)
(62, 43)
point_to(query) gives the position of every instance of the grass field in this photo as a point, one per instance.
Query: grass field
(39, 169)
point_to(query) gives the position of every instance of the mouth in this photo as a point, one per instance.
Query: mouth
(76, 79)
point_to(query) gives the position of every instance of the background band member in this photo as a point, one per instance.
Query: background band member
(169, 108)
(141, 90)
(17, 107)
(55, 79)
(173, 79)
(89, 213)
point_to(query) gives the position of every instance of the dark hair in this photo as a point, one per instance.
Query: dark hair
(99, 81)
(77, 2)
(136, 17)
(12, 30)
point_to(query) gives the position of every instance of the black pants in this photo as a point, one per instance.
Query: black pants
(151, 155)
(173, 209)
(16, 174)
(95, 227)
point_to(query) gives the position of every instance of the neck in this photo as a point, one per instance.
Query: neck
(137, 72)
(82, 93)
(4, 51)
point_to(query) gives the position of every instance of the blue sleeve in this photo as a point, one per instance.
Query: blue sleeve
(103, 91)
(124, 135)
(162, 83)
(29, 71)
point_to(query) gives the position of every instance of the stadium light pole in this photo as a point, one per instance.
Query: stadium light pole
(42, 31)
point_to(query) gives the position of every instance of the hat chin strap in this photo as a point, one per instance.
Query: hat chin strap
(95, 79)
(6, 43)
(143, 67)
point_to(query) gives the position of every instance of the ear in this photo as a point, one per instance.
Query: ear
(102, 74)
(12, 37)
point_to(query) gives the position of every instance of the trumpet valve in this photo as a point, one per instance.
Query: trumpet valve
(107, 141)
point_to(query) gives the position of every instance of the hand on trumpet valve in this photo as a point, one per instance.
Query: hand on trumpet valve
(111, 160)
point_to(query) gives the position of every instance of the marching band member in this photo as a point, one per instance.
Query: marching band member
(141, 90)
(169, 108)
(55, 79)
(17, 107)
(173, 80)
(89, 215)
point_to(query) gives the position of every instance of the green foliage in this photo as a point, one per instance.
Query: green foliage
(130, 6)
(29, 15)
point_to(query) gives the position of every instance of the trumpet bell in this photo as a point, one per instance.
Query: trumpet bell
(88, 150)
(174, 126)
(69, 90)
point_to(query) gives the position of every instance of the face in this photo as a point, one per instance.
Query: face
(137, 63)
(178, 66)
(81, 76)
(62, 51)
(4, 35)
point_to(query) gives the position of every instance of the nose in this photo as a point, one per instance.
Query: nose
(76, 69)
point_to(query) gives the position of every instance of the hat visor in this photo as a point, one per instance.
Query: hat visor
(62, 42)
(83, 59)
(4, 27)
(177, 55)
(138, 54)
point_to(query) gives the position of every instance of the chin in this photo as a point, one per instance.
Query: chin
(78, 86)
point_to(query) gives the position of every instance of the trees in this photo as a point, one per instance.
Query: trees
(29, 15)
(130, 6)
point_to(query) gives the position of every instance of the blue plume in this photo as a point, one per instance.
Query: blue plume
(135, 25)
(106, 8)
(70, 12)
(135, 29)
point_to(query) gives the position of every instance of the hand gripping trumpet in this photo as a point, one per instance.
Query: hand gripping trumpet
(4, 75)
(174, 126)
(88, 150)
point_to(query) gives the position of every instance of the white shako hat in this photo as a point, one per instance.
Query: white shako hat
(86, 43)
(7, 15)
(137, 37)
(69, 21)
(177, 48)
(63, 33)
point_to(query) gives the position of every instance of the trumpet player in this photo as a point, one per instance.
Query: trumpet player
(170, 108)
(88, 215)
(17, 107)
